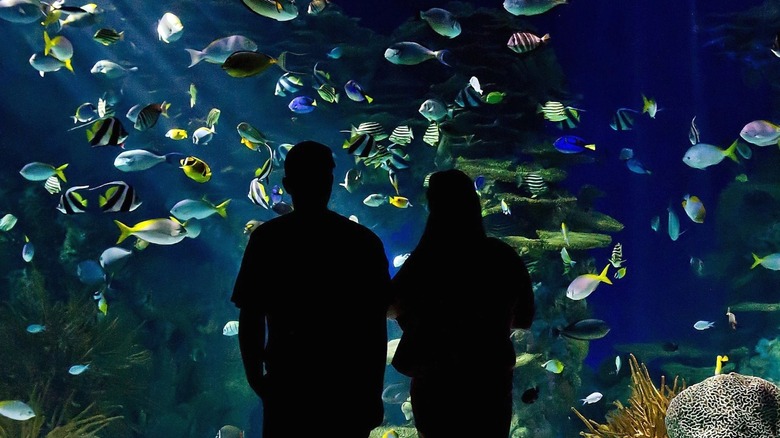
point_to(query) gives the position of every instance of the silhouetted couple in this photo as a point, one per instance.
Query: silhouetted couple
(320, 285)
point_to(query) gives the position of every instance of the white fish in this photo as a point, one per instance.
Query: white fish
(772, 261)
(703, 325)
(169, 28)
(434, 110)
(28, 250)
(673, 226)
(37, 171)
(703, 155)
(592, 398)
(399, 260)
(230, 329)
(198, 209)
(110, 70)
(46, 64)
(203, 135)
(585, 284)
(406, 409)
(219, 50)
(16, 410)
(138, 159)
(113, 258)
(7, 222)
(375, 200)
(761, 133)
(78, 369)
(530, 7)
(442, 22)
(411, 53)
(21, 11)
(655, 223)
(618, 364)
(505, 208)
(160, 231)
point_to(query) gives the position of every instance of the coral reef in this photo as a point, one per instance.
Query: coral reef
(645, 413)
(730, 405)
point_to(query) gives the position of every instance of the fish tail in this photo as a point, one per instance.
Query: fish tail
(281, 61)
(222, 208)
(196, 56)
(545, 38)
(442, 54)
(590, 146)
(124, 231)
(756, 261)
(730, 151)
(47, 43)
(369, 99)
(174, 157)
(603, 276)
(165, 106)
(59, 172)
(69, 66)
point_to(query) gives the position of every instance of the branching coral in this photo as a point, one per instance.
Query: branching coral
(646, 411)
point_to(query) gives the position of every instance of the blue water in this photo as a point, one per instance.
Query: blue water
(708, 59)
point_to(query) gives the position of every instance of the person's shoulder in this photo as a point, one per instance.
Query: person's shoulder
(354, 228)
(498, 246)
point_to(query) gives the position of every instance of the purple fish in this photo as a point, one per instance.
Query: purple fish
(355, 92)
(302, 105)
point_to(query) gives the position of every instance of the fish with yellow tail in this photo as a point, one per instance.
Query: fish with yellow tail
(703, 155)
(161, 231)
(585, 284)
(399, 201)
(719, 363)
(772, 261)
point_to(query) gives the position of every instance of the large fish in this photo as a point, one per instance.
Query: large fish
(21, 11)
(218, 50)
(279, 10)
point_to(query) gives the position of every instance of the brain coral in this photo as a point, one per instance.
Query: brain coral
(726, 406)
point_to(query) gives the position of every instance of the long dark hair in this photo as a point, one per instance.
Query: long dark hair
(454, 209)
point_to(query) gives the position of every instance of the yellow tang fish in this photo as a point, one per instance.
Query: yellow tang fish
(399, 201)
(196, 169)
(177, 134)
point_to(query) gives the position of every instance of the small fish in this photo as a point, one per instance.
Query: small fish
(771, 262)
(16, 410)
(78, 369)
(212, 118)
(352, 180)
(673, 225)
(494, 97)
(623, 120)
(620, 273)
(71, 202)
(534, 183)
(442, 22)
(412, 53)
(279, 10)
(257, 193)
(102, 303)
(553, 111)
(591, 398)
(203, 135)
(356, 93)
(588, 329)
(59, 48)
(107, 37)
(245, 63)
(149, 115)
(431, 136)
(230, 329)
(36, 328)
(618, 364)
(169, 28)
(177, 134)
(694, 208)
(719, 363)
(113, 259)
(276, 194)
(567, 261)
(435, 110)
(193, 92)
(524, 42)
(571, 144)
(46, 64)
(554, 366)
(288, 83)
(703, 325)
(159, 231)
(399, 201)
(776, 46)
(37, 171)
(328, 93)
(617, 256)
(107, 132)
(375, 200)
(582, 286)
(469, 97)
(505, 208)
(399, 260)
(761, 133)
(375, 129)
(110, 70)
(187, 209)
(251, 225)
(697, 266)
(302, 105)
(693, 133)
(361, 145)
(195, 169)
(317, 6)
(335, 53)
(732, 319)
(392, 433)
(219, 50)
(530, 395)
(531, 7)
(655, 223)
(565, 233)
(637, 166)
(7, 222)
(649, 106)
(401, 135)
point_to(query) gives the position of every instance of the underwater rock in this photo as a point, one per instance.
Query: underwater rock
(498, 170)
(750, 306)
(730, 405)
(553, 241)
(593, 219)
(403, 431)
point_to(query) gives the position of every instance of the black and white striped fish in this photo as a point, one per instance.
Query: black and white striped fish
(71, 202)
(288, 83)
(534, 182)
(107, 36)
(468, 97)
(401, 135)
(553, 111)
(522, 42)
(257, 194)
(52, 185)
(104, 109)
(107, 132)
(431, 135)
(693, 134)
(328, 93)
(360, 145)
(373, 128)
(149, 115)
(572, 119)
(119, 197)
(623, 120)
(617, 256)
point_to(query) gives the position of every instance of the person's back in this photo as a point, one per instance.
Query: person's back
(458, 295)
(320, 281)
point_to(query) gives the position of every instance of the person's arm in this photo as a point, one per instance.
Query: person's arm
(251, 342)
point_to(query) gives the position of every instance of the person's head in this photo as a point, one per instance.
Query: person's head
(454, 205)
(308, 175)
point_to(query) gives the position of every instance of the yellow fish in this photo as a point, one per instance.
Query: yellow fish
(399, 201)
(196, 169)
(649, 106)
(177, 134)
(719, 363)
(390, 434)
(565, 232)
(694, 208)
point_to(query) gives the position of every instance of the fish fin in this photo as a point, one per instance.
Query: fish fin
(603, 276)
(442, 54)
(59, 172)
(47, 43)
(196, 56)
(369, 99)
(69, 66)
(730, 151)
(756, 261)
(222, 208)
(590, 146)
(124, 231)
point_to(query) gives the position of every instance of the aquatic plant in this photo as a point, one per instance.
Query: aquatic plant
(646, 410)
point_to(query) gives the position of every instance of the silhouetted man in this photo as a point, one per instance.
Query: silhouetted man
(458, 295)
(320, 282)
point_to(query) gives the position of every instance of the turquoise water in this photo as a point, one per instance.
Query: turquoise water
(158, 357)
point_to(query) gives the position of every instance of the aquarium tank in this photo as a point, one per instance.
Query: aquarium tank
(628, 151)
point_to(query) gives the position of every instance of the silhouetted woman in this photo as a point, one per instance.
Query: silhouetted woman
(458, 296)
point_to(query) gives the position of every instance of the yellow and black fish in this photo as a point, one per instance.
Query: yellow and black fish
(149, 115)
(402, 135)
(360, 145)
(257, 194)
(245, 63)
(195, 169)
(107, 37)
(107, 132)
(72, 202)
(623, 120)
(119, 197)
